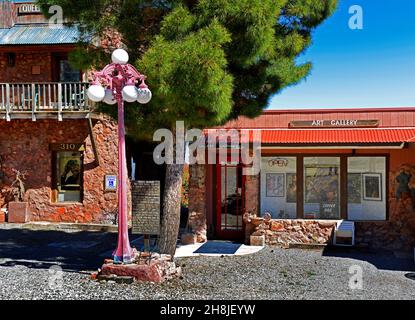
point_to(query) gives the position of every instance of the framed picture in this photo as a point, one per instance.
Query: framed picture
(291, 194)
(275, 185)
(354, 188)
(372, 186)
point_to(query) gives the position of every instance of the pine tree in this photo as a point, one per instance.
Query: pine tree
(207, 61)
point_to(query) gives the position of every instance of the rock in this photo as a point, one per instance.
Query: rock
(276, 226)
(188, 238)
(257, 241)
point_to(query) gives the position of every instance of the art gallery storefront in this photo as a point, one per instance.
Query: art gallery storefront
(317, 168)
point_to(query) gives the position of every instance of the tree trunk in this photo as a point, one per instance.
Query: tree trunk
(171, 209)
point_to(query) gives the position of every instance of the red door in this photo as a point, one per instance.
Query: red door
(230, 202)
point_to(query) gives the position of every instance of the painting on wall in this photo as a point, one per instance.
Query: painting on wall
(275, 185)
(354, 188)
(291, 196)
(372, 186)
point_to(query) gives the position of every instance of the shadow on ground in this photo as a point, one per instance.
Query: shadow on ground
(77, 251)
(382, 260)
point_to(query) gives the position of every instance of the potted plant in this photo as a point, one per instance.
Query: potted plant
(18, 209)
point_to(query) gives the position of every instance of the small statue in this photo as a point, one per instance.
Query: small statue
(18, 185)
(403, 183)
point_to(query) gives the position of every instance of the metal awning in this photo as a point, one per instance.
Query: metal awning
(39, 34)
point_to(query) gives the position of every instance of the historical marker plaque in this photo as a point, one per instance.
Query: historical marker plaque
(146, 207)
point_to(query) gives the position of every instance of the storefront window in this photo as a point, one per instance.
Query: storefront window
(366, 181)
(279, 187)
(322, 188)
(68, 166)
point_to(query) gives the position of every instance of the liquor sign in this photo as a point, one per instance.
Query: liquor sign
(344, 123)
(28, 8)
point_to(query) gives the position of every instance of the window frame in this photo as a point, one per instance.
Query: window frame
(343, 180)
(55, 178)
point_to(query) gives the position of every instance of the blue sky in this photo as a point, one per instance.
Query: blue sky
(373, 67)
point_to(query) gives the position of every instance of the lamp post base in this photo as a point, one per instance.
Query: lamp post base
(123, 259)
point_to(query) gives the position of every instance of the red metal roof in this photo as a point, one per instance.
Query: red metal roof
(341, 136)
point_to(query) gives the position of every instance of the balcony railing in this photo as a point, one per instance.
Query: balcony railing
(52, 99)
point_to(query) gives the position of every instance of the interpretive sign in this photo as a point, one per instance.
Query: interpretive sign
(146, 207)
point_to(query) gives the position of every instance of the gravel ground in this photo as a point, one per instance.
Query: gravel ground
(269, 274)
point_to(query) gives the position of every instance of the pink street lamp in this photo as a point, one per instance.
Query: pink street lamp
(117, 83)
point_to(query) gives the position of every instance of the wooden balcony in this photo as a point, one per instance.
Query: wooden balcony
(50, 100)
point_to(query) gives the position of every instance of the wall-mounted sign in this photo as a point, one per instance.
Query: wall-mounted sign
(28, 8)
(110, 182)
(349, 123)
(67, 147)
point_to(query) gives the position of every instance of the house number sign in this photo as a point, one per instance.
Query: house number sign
(67, 147)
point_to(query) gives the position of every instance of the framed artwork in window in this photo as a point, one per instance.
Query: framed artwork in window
(372, 186)
(354, 188)
(275, 185)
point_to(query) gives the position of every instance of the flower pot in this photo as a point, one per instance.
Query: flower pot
(18, 212)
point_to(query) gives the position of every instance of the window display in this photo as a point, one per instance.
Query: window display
(322, 188)
(366, 188)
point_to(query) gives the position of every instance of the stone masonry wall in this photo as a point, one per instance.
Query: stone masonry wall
(24, 145)
(197, 223)
(22, 71)
(285, 232)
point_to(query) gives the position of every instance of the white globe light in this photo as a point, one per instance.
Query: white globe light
(144, 95)
(109, 97)
(129, 93)
(120, 56)
(96, 93)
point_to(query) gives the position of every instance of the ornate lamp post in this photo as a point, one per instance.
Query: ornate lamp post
(117, 83)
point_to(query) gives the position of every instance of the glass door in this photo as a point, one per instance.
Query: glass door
(230, 201)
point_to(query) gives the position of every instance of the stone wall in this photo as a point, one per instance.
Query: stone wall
(398, 232)
(197, 223)
(25, 146)
(22, 71)
(285, 232)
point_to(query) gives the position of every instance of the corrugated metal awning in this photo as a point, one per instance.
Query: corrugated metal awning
(338, 136)
(322, 137)
(38, 35)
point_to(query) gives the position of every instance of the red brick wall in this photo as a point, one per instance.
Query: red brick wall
(25, 146)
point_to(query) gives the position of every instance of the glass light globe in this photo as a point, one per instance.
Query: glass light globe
(96, 93)
(144, 95)
(109, 97)
(129, 93)
(120, 56)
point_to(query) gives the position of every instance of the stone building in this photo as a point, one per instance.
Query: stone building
(317, 167)
(48, 129)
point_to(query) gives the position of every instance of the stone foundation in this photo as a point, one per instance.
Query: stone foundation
(285, 232)
(153, 268)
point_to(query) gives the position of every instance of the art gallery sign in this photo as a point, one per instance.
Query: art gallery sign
(342, 123)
